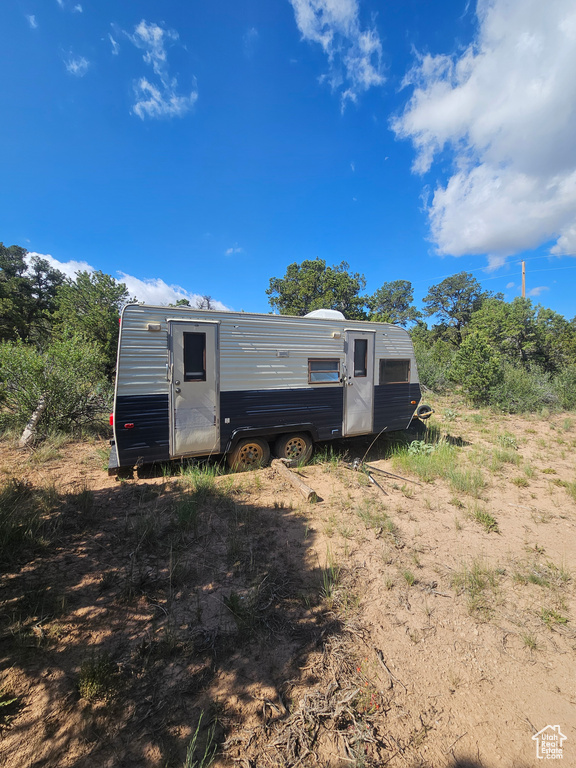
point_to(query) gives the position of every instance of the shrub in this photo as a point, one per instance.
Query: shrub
(475, 366)
(69, 374)
(521, 390)
(433, 364)
(565, 387)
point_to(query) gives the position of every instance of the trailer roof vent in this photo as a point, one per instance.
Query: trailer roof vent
(326, 314)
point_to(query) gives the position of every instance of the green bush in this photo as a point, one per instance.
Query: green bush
(565, 388)
(475, 366)
(521, 390)
(69, 374)
(434, 364)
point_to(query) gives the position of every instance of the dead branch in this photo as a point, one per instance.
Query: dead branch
(309, 494)
(30, 428)
(390, 474)
(380, 656)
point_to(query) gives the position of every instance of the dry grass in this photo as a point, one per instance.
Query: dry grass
(304, 635)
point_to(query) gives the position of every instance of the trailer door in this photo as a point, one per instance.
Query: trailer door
(194, 388)
(359, 383)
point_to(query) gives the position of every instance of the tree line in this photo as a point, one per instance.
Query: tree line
(58, 336)
(58, 340)
(516, 356)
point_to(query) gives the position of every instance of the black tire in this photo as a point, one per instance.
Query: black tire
(250, 453)
(295, 447)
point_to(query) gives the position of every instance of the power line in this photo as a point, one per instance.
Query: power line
(496, 277)
(552, 269)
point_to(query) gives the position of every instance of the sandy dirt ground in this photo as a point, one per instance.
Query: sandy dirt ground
(420, 624)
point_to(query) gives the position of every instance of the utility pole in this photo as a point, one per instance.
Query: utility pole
(523, 279)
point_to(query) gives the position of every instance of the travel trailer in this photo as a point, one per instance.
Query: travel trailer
(193, 382)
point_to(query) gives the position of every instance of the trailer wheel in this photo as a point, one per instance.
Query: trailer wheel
(250, 453)
(297, 448)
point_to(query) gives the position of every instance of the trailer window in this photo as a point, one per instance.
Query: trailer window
(360, 357)
(323, 371)
(194, 356)
(394, 371)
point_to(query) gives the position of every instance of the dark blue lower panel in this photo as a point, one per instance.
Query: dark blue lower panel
(148, 439)
(393, 407)
(265, 410)
(270, 408)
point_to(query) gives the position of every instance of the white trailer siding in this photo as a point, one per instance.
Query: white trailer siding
(271, 352)
(249, 348)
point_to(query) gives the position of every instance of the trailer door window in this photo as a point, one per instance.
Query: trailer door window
(323, 371)
(360, 357)
(394, 371)
(194, 356)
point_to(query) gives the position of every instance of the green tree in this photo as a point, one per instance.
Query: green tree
(312, 285)
(90, 305)
(393, 303)
(511, 328)
(476, 367)
(421, 333)
(27, 294)
(453, 301)
(526, 334)
(68, 374)
(558, 339)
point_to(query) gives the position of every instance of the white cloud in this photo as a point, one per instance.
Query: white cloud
(354, 54)
(77, 65)
(155, 101)
(156, 291)
(538, 290)
(77, 8)
(32, 21)
(160, 98)
(510, 285)
(235, 249)
(249, 41)
(153, 40)
(566, 243)
(69, 268)
(505, 108)
(148, 290)
(115, 45)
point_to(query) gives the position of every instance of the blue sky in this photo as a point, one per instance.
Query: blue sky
(200, 148)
